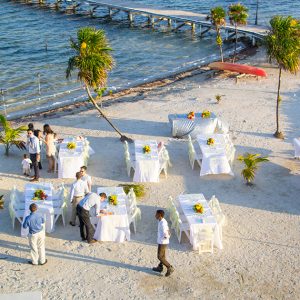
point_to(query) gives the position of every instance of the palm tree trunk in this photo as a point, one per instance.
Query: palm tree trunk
(235, 44)
(7, 149)
(278, 134)
(123, 137)
(220, 45)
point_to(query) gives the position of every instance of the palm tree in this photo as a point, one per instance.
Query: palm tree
(11, 136)
(93, 61)
(251, 162)
(238, 14)
(217, 18)
(283, 46)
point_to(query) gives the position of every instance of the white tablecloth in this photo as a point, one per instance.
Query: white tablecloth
(70, 161)
(114, 228)
(147, 164)
(195, 220)
(45, 208)
(215, 159)
(296, 142)
(182, 126)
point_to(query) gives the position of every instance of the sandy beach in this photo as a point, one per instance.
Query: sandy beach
(260, 259)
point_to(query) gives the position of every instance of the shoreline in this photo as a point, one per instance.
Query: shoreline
(152, 84)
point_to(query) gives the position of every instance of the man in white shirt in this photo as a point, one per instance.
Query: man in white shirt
(163, 236)
(78, 190)
(34, 148)
(86, 177)
(83, 212)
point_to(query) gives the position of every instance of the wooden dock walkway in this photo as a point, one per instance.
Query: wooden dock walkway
(179, 17)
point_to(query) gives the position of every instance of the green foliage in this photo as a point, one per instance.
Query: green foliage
(238, 14)
(92, 57)
(283, 47)
(1, 202)
(217, 18)
(10, 136)
(138, 189)
(218, 98)
(251, 162)
(283, 43)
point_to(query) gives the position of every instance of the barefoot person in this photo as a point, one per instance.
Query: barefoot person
(163, 236)
(78, 190)
(50, 147)
(83, 212)
(33, 145)
(34, 222)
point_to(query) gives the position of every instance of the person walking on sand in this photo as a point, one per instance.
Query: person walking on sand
(33, 145)
(163, 236)
(35, 223)
(83, 212)
(86, 177)
(78, 190)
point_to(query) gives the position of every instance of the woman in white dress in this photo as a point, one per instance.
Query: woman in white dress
(50, 147)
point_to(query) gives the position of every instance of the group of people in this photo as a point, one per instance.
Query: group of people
(35, 139)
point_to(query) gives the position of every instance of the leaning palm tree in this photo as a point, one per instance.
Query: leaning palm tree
(93, 61)
(238, 14)
(217, 18)
(283, 46)
(251, 162)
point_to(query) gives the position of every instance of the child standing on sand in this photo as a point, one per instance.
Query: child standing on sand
(26, 165)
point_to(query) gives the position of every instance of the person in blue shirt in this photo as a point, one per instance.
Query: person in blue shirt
(35, 223)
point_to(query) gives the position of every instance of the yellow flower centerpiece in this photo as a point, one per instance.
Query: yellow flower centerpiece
(205, 114)
(210, 142)
(39, 195)
(71, 145)
(191, 115)
(198, 208)
(147, 149)
(113, 200)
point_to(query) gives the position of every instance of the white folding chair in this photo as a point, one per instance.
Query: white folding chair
(16, 212)
(218, 214)
(193, 156)
(180, 226)
(205, 239)
(164, 161)
(131, 197)
(129, 163)
(134, 215)
(60, 206)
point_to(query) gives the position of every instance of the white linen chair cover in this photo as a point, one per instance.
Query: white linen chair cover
(205, 238)
(172, 212)
(60, 205)
(193, 156)
(164, 161)
(131, 197)
(134, 215)
(129, 163)
(296, 142)
(15, 211)
(222, 126)
(218, 214)
(180, 226)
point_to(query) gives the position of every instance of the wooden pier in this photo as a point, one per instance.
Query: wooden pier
(175, 19)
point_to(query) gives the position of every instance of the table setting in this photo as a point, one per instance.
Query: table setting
(112, 224)
(147, 164)
(41, 195)
(197, 212)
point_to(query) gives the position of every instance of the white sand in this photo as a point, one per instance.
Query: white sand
(260, 259)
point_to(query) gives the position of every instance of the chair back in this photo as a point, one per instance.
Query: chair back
(126, 147)
(215, 205)
(131, 197)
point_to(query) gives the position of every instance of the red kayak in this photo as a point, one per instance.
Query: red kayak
(238, 68)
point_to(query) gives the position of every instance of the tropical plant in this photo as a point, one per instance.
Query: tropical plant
(283, 46)
(138, 189)
(251, 162)
(217, 18)
(218, 98)
(11, 136)
(93, 61)
(238, 14)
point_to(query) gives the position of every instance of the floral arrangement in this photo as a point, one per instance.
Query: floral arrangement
(39, 195)
(191, 115)
(210, 142)
(147, 149)
(205, 114)
(71, 146)
(113, 200)
(198, 208)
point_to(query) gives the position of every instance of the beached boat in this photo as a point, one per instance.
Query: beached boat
(238, 68)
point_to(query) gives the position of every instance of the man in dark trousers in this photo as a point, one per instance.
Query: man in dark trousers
(163, 236)
(34, 148)
(83, 212)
